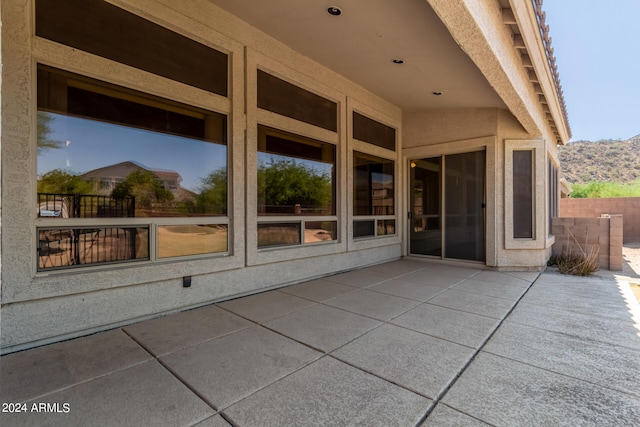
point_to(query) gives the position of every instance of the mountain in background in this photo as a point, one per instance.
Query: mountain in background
(604, 160)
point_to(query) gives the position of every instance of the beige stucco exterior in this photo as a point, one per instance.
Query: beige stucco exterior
(39, 307)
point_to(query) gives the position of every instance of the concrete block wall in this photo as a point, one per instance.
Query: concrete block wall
(629, 207)
(585, 234)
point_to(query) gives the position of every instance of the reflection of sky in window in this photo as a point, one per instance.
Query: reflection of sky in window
(320, 168)
(96, 144)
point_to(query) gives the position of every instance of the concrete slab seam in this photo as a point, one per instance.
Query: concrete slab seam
(446, 389)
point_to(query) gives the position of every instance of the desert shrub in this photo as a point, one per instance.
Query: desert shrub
(581, 263)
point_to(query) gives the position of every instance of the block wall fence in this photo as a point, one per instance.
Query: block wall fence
(586, 234)
(628, 207)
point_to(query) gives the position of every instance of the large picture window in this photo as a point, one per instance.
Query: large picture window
(106, 151)
(296, 182)
(373, 196)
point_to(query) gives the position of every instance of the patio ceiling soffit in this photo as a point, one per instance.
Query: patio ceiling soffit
(528, 65)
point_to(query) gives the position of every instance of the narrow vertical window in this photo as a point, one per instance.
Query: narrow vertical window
(553, 193)
(373, 196)
(523, 194)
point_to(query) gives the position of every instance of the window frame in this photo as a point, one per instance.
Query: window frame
(527, 181)
(21, 208)
(263, 132)
(258, 117)
(386, 118)
(43, 223)
(539, 188)
(373, 217)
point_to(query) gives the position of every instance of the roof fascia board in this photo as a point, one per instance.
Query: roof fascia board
(527, 20)
(481, 33)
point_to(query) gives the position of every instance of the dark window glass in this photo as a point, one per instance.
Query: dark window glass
(553, 193)
(464, 176)
(523, 194)
(425, 189)
(373, 132)
(278, 234)
(289, 100)
(373, 186)
(296, 175)
(107, 151)
(78, 247)
(453, 185)
(363, 228)
(105, 30)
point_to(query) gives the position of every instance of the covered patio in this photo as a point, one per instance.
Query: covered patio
(399, 343)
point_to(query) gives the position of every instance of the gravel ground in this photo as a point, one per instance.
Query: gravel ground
(631, 255)
(631, 266)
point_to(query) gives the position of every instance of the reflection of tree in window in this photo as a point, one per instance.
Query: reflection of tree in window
(295, 186)
(181, 144)
(60, 182)
(145, 187)
(213, 194)
(113, 132)
(296, 176)
(44, 131)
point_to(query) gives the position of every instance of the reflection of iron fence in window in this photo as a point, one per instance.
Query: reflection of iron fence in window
(71, 246)
(52, 205)
(67, 247)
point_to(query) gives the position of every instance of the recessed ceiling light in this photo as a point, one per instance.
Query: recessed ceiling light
(398, 61)
(436, 93)
(334, 10)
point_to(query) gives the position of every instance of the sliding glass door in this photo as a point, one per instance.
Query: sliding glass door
(447, 202)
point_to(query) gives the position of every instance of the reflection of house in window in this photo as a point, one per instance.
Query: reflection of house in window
(382, 198)
(106, 178)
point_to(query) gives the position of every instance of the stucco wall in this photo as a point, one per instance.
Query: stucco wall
(430, 127)
(48, 306)
(38, 307)
(534, 253)
(628, 207)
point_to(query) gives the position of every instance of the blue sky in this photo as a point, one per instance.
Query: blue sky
(94, 144)
(597, 49)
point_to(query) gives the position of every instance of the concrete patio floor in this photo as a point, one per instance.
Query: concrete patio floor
(401, 343)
